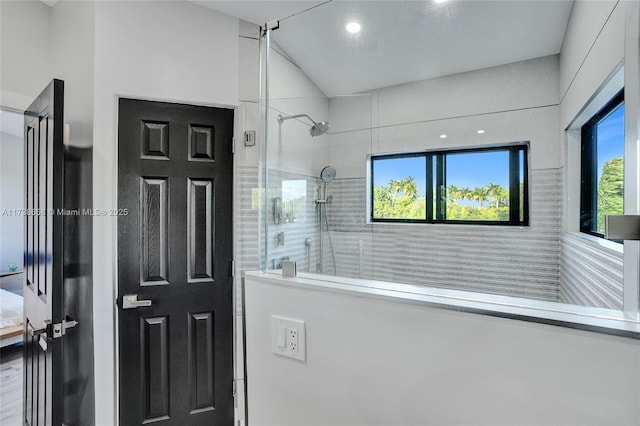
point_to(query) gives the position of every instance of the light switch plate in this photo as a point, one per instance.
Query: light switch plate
(250, 138)
(295, 344)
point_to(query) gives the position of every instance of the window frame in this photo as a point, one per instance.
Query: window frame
(589, 164)
(436, 182)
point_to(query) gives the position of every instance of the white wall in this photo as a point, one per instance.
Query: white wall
(246, 224)
(593, 49)
(512, 103)
(291, 92)
(11, 197)
(25, 43)
(72, 45)
(173, 51)
(372, 362)
(25, 69)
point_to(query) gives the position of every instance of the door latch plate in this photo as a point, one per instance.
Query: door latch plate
(60, 328)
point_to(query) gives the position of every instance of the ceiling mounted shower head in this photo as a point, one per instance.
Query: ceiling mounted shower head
(328, 174)
(316, 130)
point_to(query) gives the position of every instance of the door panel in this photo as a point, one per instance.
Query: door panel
(201, 368)
(175, 249)
(199, 231)
(154, 232)
(43, 286)
(155, 367)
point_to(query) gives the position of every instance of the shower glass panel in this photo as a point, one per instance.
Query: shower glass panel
(310, 218)
(424, 77)
(311, 214)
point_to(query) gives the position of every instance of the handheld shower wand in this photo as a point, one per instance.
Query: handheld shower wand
(326, 175)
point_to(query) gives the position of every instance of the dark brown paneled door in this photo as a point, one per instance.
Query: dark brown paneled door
(43, 285)
(174, 264)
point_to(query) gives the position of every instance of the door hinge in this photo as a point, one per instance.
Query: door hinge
(235, 394)
(233, 145)
(59, 329)
(271, 25)
(233, 268)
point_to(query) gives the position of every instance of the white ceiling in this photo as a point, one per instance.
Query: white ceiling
(259, 11)
(255, 11)
(404, 41)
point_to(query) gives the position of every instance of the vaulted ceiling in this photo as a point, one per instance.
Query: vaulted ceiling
(404, 41)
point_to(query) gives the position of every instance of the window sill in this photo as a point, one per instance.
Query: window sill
(599, 320)
(450, 224)
(599, 242)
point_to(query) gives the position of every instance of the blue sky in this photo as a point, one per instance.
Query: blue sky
(463, 170)
(610, 137)
(401, 168)
(472, 170)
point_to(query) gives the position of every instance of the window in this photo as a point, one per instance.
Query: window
(602, 164)
(476, 186)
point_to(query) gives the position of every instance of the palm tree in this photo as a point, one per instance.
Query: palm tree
(466, 194)
(454, 193)
(480, 194)
(404, 187)
(498, 194)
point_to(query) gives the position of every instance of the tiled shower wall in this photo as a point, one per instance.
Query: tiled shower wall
(250, 234)
(536, 262)
(503, 260)
(590, 274)
(295, 233)
(247, 217)
(500, 260)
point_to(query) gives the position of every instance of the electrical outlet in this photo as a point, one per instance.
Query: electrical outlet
(288, 337)
(293, 339)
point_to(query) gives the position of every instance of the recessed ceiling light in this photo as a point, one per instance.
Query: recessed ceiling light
(353, 27)
(443, 136)
(480, 132)
(439, 1)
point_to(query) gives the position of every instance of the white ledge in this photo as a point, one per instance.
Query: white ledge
(561, 314)
(598, 242)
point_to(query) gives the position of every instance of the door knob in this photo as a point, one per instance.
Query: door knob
(130, 301)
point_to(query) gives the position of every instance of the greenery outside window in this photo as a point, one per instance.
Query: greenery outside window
(471, 186)
(602, 167)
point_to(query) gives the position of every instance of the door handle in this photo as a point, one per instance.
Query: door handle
(130, 301)
(51, 330)
(33, 332)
